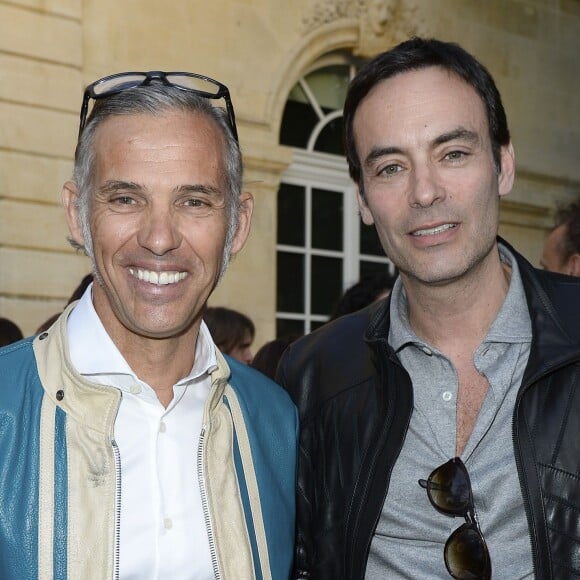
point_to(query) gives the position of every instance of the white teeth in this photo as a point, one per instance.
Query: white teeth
(158, 278)
(431, 231)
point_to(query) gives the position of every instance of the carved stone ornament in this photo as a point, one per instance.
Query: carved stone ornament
(382, 23)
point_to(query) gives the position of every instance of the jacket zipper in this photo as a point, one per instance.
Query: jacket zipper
(117, 455)
(204, 504)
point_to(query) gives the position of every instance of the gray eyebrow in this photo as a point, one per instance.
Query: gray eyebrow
(119, 185)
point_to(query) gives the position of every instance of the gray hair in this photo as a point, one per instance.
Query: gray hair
(155, 99)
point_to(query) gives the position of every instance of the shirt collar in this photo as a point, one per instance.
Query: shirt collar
(93, 352)
(512, 323)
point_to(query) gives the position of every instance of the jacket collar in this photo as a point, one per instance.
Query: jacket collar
(553, 304)
(555, 321)
(92, 405)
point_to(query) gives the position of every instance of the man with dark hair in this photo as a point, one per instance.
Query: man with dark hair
(562, 247)
(459, 395)
(129, 446)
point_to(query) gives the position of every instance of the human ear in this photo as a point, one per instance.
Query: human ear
(508, 169)
(365, 212)
(573, 265)
(69, 198)
(244, 221)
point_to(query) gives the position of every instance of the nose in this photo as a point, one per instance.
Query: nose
(425, 189)
(159, 232)
(249, 357)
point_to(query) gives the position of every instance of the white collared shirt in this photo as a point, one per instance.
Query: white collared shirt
(162, 533)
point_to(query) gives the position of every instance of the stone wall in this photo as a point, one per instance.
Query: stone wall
(49, 49)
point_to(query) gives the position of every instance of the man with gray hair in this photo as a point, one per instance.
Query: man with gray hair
(130, 446)
(562, 247)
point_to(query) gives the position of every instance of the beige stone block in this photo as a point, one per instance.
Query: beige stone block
(69, 8)
(33, 130)
(44, 84)
(40, 275)
(46, 227)
(249, 285)
(29, 313)
(42, 36)
(528, 241)
(33, 178)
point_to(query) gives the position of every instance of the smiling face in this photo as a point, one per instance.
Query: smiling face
(430, 184)
(158, 222)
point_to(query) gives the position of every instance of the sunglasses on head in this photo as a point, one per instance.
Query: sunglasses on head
(198, 84)
(449, 491)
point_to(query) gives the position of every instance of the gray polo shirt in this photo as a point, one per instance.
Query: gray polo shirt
(411, 534)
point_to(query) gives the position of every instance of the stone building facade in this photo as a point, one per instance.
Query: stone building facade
(265, 51)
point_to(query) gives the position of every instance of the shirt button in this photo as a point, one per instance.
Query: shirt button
(447, 396)
(135, 389)
(162, 427)
(167, 523)
(427, 351)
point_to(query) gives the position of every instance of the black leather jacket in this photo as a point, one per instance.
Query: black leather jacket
(355, 402)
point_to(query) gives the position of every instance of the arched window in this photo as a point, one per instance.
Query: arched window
(322, 245)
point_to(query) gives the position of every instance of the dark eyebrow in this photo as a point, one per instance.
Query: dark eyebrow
(378, 152)
(457, 135)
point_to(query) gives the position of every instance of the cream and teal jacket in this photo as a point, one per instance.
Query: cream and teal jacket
(60, 469)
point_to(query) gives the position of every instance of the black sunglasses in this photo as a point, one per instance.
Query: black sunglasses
(449, 491)
(200, 85)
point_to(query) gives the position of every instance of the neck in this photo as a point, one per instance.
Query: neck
(457, 315)
(161, 362)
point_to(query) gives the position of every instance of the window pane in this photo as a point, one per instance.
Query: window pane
(290, 282)
(369, 241)
(289, 328)
(329, 85)
(330, 138)
(368, 269)
(327, 219)
(316, 324)
(291, 218)
(326, 283)
(298, 120)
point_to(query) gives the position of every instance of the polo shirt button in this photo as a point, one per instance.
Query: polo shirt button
(162, 427)
(135, 389)
(447, 396)
(167, 523)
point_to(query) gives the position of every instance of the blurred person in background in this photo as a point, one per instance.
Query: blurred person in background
(367, 290)
(269, 354)
(562, 247)
(9, 332)
(232, 331)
